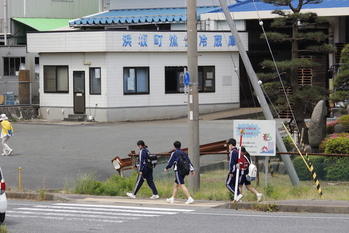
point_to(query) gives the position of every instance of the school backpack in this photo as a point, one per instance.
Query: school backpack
(183, 166)
(152, 160)
(252, 172)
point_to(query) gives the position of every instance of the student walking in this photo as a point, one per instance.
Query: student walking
(234, 156)
(244, 171)
(144, 172)
(6, 133)
(179, 158)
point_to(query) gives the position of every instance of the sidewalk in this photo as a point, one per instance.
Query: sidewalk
(298, 206)
(239, 113)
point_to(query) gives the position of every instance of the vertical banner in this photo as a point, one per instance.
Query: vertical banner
(259, 136)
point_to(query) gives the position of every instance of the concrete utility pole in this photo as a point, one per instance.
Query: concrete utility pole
(193, 100)
(254, 81)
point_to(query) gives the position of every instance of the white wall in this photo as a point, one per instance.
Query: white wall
(157, 63)
(113, 105)
(82, 50)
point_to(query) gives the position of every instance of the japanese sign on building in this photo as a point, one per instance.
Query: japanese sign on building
(174, 41)
(258, 136)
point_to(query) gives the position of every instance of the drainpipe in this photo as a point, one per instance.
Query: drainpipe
(5, 22)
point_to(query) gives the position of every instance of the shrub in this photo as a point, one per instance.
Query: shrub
(323, 144)
(117, 185)
(304, 173)
(337, 168)
(85, 184)
(288, 143)
(337, 145)
(344, 120)
(330, 127)
(114, 186)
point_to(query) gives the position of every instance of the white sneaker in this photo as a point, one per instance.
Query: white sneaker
(170, 200)
(155, 197)
(9, 153)
(3, 154)
(131, 195)
(190, 200)
(238, 197)
(259, 196)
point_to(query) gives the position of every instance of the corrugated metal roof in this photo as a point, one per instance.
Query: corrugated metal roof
(251, 5)
(135, 16)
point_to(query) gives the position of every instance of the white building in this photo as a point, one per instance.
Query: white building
(132, 75)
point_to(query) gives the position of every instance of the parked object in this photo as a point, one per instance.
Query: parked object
(3, 198)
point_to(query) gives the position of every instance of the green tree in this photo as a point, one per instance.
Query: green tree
(341, 81)
(306, 34)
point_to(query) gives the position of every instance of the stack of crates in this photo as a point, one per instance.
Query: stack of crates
(10, 98)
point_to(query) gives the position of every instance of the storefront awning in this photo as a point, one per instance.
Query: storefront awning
(42, 24)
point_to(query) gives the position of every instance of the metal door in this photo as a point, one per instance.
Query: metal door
(79, 92)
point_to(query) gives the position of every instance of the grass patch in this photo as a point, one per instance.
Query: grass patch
(3, 228)
(212, 187)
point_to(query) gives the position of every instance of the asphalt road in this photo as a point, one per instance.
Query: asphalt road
(51, 155)
(42, 217)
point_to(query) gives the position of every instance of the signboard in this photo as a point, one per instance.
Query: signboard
(186, 78)
(259, 136)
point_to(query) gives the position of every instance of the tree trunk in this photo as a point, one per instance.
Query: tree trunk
(298, 105)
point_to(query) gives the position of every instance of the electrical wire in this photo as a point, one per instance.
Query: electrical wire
(273, 58)
(236, 69)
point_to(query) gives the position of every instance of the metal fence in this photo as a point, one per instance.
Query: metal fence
(19, 99)
(19, 93)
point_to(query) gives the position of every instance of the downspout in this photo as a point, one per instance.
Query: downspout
(5, 22)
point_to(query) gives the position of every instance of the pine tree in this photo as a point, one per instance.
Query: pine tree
(341, 80)
(306, 34)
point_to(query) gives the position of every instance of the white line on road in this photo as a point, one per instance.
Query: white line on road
(106, 209)
(126, 207)
(68, 215)
(62, 218)
(89, 212)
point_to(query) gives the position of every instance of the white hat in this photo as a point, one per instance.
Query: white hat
(3, 117)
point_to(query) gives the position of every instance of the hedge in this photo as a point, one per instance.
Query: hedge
(304, 173)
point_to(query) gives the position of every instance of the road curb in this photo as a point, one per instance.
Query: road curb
(36, 196)
(297, 207)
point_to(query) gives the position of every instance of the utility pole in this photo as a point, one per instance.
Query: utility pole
(193, 100)
(254, 81)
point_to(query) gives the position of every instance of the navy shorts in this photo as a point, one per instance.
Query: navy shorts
(243, 180)
(179, 178)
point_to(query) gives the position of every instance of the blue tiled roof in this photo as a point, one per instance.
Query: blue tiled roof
(132, 16)
(163, 15)
(250, 5)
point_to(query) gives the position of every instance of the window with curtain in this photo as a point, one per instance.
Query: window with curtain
(95, 81)
(56, 79)
(136, 80)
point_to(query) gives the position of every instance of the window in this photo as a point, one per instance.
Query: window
(95, 81)
(136, 80)
(206, 77)
(174, 79)
(12, 64)
(56, 79)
